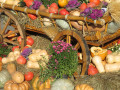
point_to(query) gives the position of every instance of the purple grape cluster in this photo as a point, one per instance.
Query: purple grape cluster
(93, 13)
(36, 4)
(73, 4)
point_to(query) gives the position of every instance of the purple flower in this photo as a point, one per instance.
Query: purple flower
(61, 50)
(55, 67)
(92, 15)
(64, 57)
(58, 52)
(36, 4)
(54, 47)
(50, 56)
(56, 61)
(73, 4)
(68, 50)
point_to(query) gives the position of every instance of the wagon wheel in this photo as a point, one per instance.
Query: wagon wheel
(10, 29)
(79, 43)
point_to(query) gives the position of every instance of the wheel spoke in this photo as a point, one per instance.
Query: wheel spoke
(7, 23)
(11, 42)
(68, 39)
(77, 46)
(13, 32)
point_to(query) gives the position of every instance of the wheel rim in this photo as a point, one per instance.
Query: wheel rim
(9, 21)
(72, 37)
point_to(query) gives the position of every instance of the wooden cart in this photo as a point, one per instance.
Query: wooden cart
(70, 36)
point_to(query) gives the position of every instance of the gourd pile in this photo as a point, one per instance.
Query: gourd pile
(105, 60)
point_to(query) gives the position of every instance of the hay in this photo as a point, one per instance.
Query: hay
(105, 81)
(22, 68)
(40, 41)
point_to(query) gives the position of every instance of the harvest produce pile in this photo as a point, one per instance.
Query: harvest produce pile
(23, 69)
(36, 67)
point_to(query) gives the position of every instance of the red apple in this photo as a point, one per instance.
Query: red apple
(83, 6)
(21, 60)
(32, 16)
(54, 5)
(14, 47)
(53, 10)
(19, 39)
(92, 70)
(63, 12)
(30, 41)
(91, 4)
(29, 76)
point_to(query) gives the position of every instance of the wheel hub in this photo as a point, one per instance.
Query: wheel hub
(1, 38)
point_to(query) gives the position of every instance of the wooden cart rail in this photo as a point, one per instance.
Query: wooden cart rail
(53, 16)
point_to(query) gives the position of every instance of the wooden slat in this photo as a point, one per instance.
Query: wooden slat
(11, 42)
(22, 9)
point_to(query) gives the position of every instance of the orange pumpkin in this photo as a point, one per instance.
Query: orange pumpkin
(83, 87)
(38, 85)
(99, 52)
(11, 85)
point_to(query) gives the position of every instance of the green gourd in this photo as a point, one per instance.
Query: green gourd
(62, 23)
(4, 77)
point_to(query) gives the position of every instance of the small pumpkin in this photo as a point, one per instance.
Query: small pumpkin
(11, 68)
(4, 77)
(38, 85)
(11, 85)
(83, 87)
(99, 52)
(18, 77)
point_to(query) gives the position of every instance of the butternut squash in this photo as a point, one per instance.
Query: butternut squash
(98, 63)
(112, 67)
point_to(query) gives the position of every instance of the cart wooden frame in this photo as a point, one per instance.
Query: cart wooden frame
(68, 35)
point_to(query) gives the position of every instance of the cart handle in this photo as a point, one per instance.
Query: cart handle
(102, 21)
